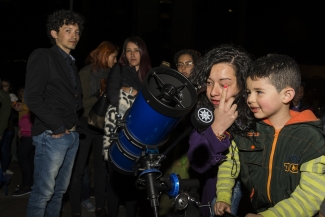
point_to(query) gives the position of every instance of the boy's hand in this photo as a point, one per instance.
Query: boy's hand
(253, 215)
(225, 114)
(221, 207)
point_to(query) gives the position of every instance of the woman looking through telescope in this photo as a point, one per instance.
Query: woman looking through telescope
(223, 70)
(126, 76)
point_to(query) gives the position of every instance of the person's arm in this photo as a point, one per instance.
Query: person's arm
(205, 150)
(5, 111)
(114, 84)
(37, 78)
(309, 194)
(227, 173)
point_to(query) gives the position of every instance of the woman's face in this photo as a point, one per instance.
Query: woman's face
(221, 75)
(133, 55)
(185, 64)
(112, 59)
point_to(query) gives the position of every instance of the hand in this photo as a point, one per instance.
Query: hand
(61, 134)
(221, 207)
(127, 90)
(253, 215)
(225, 114)
(101, 93)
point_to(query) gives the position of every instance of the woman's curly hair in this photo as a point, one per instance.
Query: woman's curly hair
(240, 60)
(60, 18)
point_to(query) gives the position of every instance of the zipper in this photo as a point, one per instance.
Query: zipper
(269, 178)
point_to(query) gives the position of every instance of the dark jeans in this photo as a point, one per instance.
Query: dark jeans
(6, 149)
(121, 187)
(85, 185)
(25, 155)
(86, 140)
(54, 158)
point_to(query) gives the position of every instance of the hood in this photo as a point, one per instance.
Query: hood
(305, 116)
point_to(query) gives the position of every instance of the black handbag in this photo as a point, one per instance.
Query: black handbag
(96, 116)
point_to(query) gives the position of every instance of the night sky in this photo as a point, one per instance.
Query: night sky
(289, 27)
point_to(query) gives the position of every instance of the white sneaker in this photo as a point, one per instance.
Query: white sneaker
(9, 172)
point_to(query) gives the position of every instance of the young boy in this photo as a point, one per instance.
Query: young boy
(282, 161)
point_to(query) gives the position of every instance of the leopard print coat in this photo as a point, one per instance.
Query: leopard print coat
(125, 102)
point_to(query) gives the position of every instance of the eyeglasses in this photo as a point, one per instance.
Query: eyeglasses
(187, 64)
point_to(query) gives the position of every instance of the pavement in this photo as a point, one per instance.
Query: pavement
(16, 206)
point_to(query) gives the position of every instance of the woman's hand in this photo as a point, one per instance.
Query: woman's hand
(128, 89)
(225, 114)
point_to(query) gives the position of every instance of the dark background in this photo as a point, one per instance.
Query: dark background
(289, 27)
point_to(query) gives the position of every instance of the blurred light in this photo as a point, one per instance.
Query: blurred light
(230, 10)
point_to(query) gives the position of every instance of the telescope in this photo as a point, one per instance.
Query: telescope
(166, 97)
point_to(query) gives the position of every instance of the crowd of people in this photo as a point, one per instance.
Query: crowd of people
(264, 139)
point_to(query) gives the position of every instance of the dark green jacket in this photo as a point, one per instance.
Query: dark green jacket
(270, 160)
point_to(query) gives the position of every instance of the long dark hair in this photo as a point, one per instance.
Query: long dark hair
(240, 60)
(145, 64)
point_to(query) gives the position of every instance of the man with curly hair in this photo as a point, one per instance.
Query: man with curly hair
(53, 94)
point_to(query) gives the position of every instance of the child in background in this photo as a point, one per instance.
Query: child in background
(282, 161)
(26, 149)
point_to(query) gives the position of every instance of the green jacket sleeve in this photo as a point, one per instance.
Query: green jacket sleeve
(309, 194)
(227, 173)
(5, 109)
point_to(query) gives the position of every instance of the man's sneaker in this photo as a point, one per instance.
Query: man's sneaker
(21, 191)
(88, 205)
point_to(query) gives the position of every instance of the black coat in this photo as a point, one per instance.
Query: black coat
(121, 76)
(49, 91)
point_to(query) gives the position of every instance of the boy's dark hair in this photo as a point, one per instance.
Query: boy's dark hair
(281, 70)
(196, 55)
(61, 17)
(303, 84)
(240, 60)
